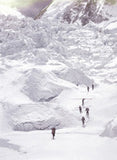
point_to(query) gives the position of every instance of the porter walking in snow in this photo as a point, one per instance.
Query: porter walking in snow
(88, 88)
(83, 101)
(53, 132)
(92, 86)
(83, 121)
(87, 112)
(80, 109)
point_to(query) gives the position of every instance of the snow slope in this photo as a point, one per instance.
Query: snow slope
(45, 68)
(47, 61)
(39, 145)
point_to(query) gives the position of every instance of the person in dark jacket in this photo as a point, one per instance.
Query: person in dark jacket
(92, 86)
(87, 112)
(83, 101)
(53, 132)
(80, 109)
(88, 88)
(83, 121)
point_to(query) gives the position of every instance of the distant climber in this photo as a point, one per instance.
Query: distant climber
(53, 132)
(80, 109)
(83, 101)
(87, 112)
(92, 86)
(88, 88)
(83, 121)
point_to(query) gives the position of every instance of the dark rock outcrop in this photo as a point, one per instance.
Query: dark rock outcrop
(84, 11)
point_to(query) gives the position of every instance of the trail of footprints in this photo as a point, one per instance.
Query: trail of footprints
(84, 111)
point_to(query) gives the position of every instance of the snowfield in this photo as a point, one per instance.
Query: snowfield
(45, 68)
(67, 146)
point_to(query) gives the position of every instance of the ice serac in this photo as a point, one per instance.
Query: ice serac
(85, 11)
(75, 10)
(111, 129)
(41, 86)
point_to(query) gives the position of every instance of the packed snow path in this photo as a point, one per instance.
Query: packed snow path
(68, 144)
(63, 56)
(71, 143)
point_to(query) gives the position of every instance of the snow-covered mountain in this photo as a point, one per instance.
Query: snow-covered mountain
(47, 59)
(83, 11)
(45, 68)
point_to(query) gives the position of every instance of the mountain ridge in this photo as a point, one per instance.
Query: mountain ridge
(84, 11)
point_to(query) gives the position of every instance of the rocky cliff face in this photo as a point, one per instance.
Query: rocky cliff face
(84, 11)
